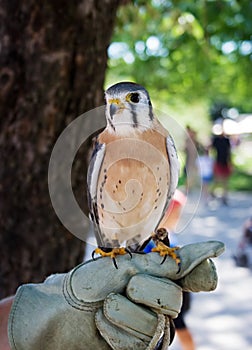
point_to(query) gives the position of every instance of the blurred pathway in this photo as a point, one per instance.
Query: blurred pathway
(220, 320)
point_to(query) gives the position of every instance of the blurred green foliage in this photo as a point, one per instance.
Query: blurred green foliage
(195, 58)
(240, 181)
(185, 52)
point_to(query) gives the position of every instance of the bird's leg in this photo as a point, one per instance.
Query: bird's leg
(111, 252)
(160, 237)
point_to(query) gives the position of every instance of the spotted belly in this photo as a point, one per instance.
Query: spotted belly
(131, 197)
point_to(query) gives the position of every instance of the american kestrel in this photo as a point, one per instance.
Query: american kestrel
(133, 172)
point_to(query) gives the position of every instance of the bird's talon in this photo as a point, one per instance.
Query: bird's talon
(112, 253)
(129, 252)
(165, 251)
(115, 263)
(179, 266)
(93, 254)
(163, 260)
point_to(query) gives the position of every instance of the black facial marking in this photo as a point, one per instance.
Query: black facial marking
(150, 111)
(134, 116)
(111, 124)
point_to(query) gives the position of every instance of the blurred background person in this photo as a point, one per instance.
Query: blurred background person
(170, 222)
(243, 256)
(205, 167)
(191, 154)
(222, 165)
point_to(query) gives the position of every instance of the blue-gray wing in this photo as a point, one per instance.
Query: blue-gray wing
(174, 170)
(174, 165)
(92, 180)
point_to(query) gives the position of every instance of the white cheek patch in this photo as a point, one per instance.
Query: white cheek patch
(127, 121)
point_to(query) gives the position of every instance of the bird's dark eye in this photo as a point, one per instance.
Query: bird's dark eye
(134, 97)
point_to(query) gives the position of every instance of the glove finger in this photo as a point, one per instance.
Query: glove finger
(203, 278)
(135, 319)
(160, 294)
(89, 282)
(118, 338)
(194, 254)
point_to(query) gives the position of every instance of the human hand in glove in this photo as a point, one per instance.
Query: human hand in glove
(96, 306)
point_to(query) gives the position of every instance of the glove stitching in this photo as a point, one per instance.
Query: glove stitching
(167, 335)
(13, 314)
(75, 302)
(158, 333)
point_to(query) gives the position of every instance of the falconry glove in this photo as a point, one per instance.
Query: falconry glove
(96, 306)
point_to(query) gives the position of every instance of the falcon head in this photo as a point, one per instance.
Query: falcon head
(128, 108)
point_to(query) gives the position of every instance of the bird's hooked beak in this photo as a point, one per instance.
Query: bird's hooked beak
(115, 105)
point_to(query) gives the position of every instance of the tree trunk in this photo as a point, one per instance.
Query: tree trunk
(52, 65)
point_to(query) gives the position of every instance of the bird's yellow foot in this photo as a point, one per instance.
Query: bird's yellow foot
(112, 253)
(165, 251)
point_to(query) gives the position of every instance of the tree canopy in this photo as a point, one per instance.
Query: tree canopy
(186, 50)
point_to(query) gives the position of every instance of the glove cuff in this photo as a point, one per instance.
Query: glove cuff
(45, 315)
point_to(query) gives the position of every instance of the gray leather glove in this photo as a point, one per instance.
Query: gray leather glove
(96, 306)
